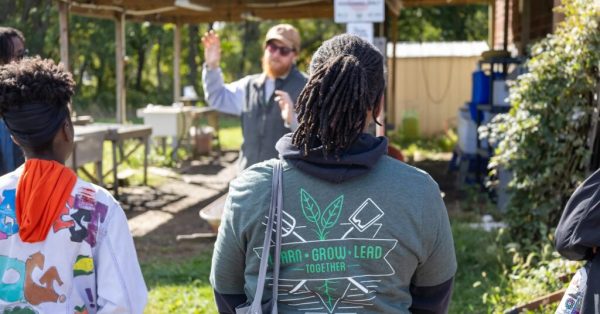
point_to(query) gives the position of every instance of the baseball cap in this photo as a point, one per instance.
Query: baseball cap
(285, 33)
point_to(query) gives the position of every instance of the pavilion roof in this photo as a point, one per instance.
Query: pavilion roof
(204, 11)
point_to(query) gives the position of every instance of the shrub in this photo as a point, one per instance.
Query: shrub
(542, 140)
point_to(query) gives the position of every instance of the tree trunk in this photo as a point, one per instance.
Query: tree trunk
(158, 57)
(141, 51)
(193, 53)
(244, 47)
(251, 35)
(82, 69)
(100, 75)
(27, 5)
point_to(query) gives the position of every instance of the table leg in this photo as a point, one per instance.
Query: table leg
(146, 153)
(175, 145)
(213, 121)
(115, 166)
(99, 173)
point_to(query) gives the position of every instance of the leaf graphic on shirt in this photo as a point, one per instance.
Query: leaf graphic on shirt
(310, 208)
(332, 213)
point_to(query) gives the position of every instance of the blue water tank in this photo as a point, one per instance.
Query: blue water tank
(480, 93)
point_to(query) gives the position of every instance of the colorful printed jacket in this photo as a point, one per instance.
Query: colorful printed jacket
(87, 264)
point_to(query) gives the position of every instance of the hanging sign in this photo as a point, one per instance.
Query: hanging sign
(353, 11)
(362, 30)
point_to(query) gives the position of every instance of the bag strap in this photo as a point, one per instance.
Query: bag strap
(279, 214)
(274, 213)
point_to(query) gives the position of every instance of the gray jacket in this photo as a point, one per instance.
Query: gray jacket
(262, 124)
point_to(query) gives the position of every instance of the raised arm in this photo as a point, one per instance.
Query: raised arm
(228, 98)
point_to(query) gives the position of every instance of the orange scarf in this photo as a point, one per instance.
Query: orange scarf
(43, 190)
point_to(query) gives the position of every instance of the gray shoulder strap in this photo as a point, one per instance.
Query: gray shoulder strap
(274, 213)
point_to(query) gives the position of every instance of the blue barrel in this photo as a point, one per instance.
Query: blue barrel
(480, 93)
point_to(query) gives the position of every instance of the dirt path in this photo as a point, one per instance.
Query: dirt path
(158, 214)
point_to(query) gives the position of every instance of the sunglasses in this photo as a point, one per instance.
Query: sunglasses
(283, 51)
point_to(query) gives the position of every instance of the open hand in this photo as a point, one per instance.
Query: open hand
(286, 105)
(212, 49)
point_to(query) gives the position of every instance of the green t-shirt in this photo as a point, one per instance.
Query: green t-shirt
(351, 247)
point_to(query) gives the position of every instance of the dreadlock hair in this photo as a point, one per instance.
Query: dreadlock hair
(6, 44)
(30, 86)
(346, 82)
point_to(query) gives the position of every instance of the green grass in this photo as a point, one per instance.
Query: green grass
(179, 286)
(493, 276)
(424, 147)
(230, 133)
(476, 253)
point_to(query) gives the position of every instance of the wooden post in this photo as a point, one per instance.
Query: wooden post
(176, 63)
(120, 66)
(380, 129)
(525, 26)
(557, 17)
(63, 20)
(392, 83)
(506, 17)
(492, 24)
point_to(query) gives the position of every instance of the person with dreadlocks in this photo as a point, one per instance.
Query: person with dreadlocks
(65, 246)
(12, 47)
(263, 101)
(361, 231)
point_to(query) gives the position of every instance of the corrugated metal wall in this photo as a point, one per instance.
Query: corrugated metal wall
(433, 87)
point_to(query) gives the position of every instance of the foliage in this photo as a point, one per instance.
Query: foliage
(427, 147)
(542, 140)
(494, 275)
(444, 23)
(525, 276)
(149, 69)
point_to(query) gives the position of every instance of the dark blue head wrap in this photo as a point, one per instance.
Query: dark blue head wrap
(35, 124)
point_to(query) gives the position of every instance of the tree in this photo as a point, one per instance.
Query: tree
(443, 23)
(149, 70)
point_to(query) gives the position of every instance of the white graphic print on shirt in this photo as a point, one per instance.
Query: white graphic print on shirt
(328, 264)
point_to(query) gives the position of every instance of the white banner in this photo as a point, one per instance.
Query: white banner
(362, 30)
(353, 11)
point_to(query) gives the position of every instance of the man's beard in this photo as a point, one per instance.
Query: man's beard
(274, 70)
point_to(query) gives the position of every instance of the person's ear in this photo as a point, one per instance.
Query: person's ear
(380, 106)
(15, 141)
(67, 130)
